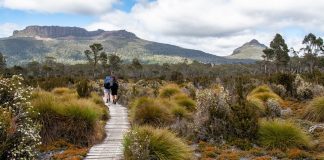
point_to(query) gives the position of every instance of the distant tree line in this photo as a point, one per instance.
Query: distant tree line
(276, 60)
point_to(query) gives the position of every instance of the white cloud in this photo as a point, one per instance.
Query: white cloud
(216, 26)
(61, 6)
(6, 29)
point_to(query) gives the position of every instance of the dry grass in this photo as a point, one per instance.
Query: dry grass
(151, 143)
(169, 90)
(315, 110)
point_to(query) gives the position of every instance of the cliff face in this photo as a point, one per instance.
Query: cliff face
(67, 32)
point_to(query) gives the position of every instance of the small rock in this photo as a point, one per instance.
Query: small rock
(286, 112)
(316, 128)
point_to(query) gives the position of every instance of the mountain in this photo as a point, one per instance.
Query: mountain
(250, 50)
(67, 45)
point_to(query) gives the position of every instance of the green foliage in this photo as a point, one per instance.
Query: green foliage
(280, 48)
(284, 79)
(149, 111)
(2, 62)
(244, 121)
(83, 88)
(282, 134)
(19, 134)
(169, 91)
(315, 110)
(150, 143)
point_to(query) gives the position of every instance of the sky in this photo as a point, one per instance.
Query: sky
(213, 26)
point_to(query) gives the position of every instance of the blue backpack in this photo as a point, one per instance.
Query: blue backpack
(107, 82)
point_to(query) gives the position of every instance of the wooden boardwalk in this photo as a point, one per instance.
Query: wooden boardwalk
(111, 148)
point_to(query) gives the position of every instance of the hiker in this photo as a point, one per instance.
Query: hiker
(114, 89)
(107, 86)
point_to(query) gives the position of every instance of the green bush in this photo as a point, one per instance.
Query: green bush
(83, 88)
(282, 134)
(150, 143)
(244, 121)
(315, 110)
(151, 112)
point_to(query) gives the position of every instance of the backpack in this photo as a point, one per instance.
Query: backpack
(107, 83)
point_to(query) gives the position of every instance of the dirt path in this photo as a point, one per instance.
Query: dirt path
(111, 148)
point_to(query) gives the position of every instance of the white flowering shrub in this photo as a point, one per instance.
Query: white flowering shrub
(19, 134)
(213, 114)
(317, 90)
(273, 108)
(303, 88)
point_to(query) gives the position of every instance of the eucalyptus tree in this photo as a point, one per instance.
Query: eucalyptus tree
(93, 55)
(313, 47)
(280, 48)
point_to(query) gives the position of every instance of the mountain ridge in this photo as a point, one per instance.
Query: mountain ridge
(67, 44)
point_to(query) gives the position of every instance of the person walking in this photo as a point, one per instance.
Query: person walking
(114, 89)
(107, 87)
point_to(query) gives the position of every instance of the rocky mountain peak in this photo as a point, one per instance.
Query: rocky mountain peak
(254, 42)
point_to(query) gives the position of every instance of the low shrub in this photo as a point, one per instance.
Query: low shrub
(244, 121)
(150, 143)
(315, 110)
(169, 90)
(213, 115)
(282, 134)
(83, 88)
(151, 112)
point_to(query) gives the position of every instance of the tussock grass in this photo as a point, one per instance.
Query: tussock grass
(187, 103)
(62, 91)
(169, 90)
(150, 143)
(315, 110)
(67, 117)
(282, 134)
(260, 95)
(150, 112)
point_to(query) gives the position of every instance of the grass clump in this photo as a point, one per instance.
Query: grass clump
(260, 95)
(169, 90)
(315, 111)
(151, 112)
(185, 101)
(150, 143)
(282, 134)
(74, 120)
